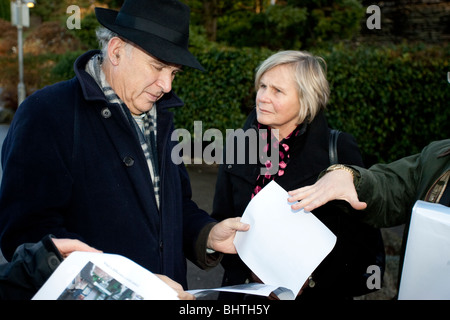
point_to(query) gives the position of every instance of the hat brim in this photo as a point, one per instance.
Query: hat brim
(158, 47)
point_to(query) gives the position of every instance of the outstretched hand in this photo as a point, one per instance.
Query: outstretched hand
(335, 185)
(222, 235)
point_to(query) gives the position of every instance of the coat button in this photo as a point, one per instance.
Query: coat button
(129, 161)
(53, 261)
(311, 282)
(106, 113)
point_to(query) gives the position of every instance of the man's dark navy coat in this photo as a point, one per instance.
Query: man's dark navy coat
(73, 167)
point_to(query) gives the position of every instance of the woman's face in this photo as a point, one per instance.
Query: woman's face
(277, 101)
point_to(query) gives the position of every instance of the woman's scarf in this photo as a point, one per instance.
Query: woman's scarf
(283, 147)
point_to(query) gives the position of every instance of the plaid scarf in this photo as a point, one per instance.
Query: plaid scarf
(145, 124)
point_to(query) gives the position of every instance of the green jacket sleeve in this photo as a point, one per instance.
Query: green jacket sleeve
(390, 191)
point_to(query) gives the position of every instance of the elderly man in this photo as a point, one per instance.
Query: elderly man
(90, 158)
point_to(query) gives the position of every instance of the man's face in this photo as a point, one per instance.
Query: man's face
(140, 79)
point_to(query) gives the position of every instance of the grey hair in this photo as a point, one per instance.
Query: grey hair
(103, 36)
(310, 77)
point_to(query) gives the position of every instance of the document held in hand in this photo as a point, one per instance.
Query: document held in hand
(283, 247)
(102, 276)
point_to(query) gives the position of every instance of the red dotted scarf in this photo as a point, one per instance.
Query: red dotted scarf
(283, 147)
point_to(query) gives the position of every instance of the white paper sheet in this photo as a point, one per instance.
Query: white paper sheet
(95, 276)
(426, 267)
(283, 247)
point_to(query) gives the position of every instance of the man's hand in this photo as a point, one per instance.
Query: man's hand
(335, 185)
(67, 246)
(182, 295)
(222, 235)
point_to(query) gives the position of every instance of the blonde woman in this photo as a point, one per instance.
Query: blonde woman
(292, 93)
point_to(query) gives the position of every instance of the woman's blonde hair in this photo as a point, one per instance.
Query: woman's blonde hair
(310, 77)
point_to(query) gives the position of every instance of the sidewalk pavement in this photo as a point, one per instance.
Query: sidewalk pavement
(3, 131)
(203, 182)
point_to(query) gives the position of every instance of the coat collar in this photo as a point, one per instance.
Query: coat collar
(446, 153)
(92, 92)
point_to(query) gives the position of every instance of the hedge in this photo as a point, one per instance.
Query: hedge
(221, 96)
(394, 100)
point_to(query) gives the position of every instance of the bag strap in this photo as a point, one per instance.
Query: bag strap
(334, 135)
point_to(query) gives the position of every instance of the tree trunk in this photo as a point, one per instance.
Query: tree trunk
(210, 10)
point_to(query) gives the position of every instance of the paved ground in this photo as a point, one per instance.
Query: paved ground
(3, 132)
(203, 181)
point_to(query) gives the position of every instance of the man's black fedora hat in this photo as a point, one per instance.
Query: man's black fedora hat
(160, 27)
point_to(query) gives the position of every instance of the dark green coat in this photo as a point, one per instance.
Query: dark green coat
(391, 190)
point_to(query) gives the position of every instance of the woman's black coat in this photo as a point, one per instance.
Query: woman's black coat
(344, 267)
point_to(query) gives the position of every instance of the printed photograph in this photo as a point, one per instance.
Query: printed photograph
(92, 283)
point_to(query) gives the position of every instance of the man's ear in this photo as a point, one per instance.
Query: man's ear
(115, 50)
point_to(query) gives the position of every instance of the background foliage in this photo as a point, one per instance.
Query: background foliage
(289, 24)
(5, 11)
(393, 98)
